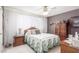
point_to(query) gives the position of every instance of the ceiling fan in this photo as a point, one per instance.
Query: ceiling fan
(47, 9)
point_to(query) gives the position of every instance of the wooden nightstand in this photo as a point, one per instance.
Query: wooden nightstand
(65, 48)
(18, 40)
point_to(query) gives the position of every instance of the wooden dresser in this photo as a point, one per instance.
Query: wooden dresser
(65, 48)
(18, 40)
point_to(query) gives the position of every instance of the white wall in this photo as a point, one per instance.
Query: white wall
(15, 20)
(1, 32)
(0, 20)
(26, 21)
(0, 26)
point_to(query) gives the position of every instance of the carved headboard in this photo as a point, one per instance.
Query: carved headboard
(31, 28)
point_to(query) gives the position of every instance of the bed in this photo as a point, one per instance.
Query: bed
(40, 42)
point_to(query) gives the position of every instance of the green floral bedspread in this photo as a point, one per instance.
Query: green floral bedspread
(42, 42)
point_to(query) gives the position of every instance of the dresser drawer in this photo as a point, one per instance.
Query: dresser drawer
(67, 49)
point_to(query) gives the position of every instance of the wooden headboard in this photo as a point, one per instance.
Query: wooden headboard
(31, 28)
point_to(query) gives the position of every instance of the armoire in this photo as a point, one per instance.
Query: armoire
(61, 30)
(64, 28)
(58, 28)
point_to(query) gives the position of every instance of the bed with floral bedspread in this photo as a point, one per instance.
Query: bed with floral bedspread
(42, 42)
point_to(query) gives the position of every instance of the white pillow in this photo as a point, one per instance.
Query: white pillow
(29, 32)
(37, 32)
(33, 32)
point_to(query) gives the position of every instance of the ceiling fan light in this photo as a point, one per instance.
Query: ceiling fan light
(45, 13)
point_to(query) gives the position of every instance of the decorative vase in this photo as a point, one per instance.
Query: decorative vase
(70, 38)
(76, 36)
(19, 31)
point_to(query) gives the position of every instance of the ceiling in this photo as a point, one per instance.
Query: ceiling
(52, 10)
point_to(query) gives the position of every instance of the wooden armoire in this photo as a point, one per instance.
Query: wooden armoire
(61, 30)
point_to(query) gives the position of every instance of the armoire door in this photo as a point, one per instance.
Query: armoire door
(62, 33)
(60, 30)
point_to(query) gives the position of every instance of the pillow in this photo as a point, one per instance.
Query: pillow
(37, 31)
(33, 32)
(29, 32)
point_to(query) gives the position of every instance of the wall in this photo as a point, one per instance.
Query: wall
(15, 20)
(25, 21)
(1, 32)
(0, 20)
(57, 18)
(1, 26)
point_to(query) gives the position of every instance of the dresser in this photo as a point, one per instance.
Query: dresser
(65, 48)
(18, 40)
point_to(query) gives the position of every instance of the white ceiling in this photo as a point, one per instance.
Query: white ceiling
(38, 10)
